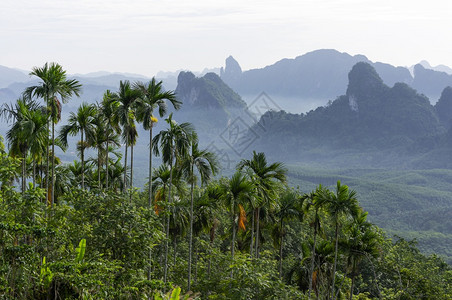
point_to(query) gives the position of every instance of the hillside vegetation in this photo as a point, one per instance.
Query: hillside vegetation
(84, 231)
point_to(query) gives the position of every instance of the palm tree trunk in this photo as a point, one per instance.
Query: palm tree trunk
(150, 194)
(312, 261)
(335, 260)
(233, 235)
(195, 275)
(131, 169)
(83, 160)
(106, 165)
(125, 165)
(281, 248)
(150, 168)
(34, 173)
(99, 185)
(165, 273)
(52, 192)
(252, 234)
(23, 172)
(190, 243)
(48, 197)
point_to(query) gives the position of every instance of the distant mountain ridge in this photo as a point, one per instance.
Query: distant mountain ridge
(207, 100)
(369, 117)
(323, 74)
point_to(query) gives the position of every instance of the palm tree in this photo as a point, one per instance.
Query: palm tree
(341, 203)
(130, 134)
(54, 84)
(264, 178)
(289, 207)
(206, 207)
(27, 133)
(125, 115)
(173, 143)
(152, 97)
(108, 109)
(236, 192)
(312, 201)
(361, 241)
(206, 165)
(83, 122)
(102, 139)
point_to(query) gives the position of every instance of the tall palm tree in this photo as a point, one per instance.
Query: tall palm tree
(83, 122)
(132, 135)
(152, 97)
(207, 204)
(125, 115)
(341, 203)
(264, 178)
(361, 241)
(289, 207)
(236, 192)
(312, 201)
(172, 142)
(102, 139)
(206, 166)
(53, 85)
(108, 110)
(28, 132)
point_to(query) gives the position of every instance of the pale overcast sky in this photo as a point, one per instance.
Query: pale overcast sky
(145, 36)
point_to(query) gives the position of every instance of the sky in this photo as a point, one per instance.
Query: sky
(146, 36)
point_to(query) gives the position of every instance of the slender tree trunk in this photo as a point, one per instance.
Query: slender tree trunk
(165, 273)
(190, 242)
(99, 185)
(233, 235)
(281, 248)
(131, 169)
(34, 173)
(150, 168)
(23, 172)
(52, 192)
(312, 260)
(257, 231)
(252, 234)
(196, 261)
(125, 164)
(335, 259)
(47, 185)
(150, 194)
(83, 160)
(106, 164)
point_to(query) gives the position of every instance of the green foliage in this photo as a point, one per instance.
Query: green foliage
(250, 236)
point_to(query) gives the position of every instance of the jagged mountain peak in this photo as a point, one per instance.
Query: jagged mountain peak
(363, 81)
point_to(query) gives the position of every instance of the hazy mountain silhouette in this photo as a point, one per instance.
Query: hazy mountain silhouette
(370, 118)
(323, 74)
(9, 76)
(207, 101)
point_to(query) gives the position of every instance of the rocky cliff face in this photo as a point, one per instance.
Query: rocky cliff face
(208, 99)
(444, 107)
